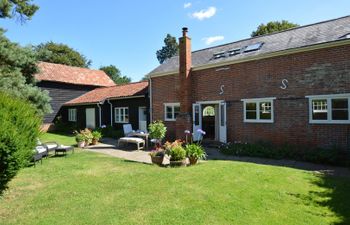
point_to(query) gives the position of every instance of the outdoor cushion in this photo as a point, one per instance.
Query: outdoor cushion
(40, 149)
(51, 146)
(131, 139)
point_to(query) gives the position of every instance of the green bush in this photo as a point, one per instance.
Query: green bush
(333, 156)
(19, 130)
(177, 153)
(195, 151)
(64, 127)
(111, 132)
(157, 130)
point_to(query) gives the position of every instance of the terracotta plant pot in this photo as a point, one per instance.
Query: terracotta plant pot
(94, 142)
(81, 144)
(157, 160)
(193, 160)
(86, 143)
(178, 163)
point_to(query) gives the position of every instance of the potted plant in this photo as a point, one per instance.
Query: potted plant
(177, 156)
(87, 136)
(194, 152)
(80, 140)
(96, 136)
(157, 132)
(157, 156)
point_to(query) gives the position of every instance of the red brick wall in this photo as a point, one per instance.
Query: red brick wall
(325, 71)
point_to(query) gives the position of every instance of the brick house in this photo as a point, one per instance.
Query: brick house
(286, 87)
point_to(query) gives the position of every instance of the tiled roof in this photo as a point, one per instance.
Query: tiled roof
(72, 75)
(119, 91)
(303, 36)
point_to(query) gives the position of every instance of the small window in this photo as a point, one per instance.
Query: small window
(209, 111)
(121, 114)
(72, 115)
(219, 55)
(171, 110)
(234, 51)
(329, 108)
(253, 47)
(258, 110)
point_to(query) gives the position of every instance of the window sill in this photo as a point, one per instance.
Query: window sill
(121, 122)
(170, 120)
(329, 122)
(258, 121)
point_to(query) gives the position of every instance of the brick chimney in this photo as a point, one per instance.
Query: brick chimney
(183, 120)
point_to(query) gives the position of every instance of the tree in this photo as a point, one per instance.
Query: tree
(170, 49)
(19, 131)
(145, 78)
(61, 54)
(273, 26)
(22, 8)
(17, 68)
(114, 73)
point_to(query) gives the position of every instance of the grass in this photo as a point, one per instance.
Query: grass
(91, 188)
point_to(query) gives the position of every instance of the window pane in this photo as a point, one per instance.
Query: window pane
(319, 109)
(176, 111)
(340, 109)
(250, 115)
(196, 115)
(222, 114)
(251, 106)
(265, 110)
(169, 112)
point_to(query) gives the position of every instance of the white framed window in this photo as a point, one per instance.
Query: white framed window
(333, 109)
(72, 115)
(171, 110)
(258, 110)
(121, 114)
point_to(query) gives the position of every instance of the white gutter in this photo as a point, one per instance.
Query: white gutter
(99, 107)
(150, 100)
(111, 111)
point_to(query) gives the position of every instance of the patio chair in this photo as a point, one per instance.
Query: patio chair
(50, 146)
(39, 152)
(128, 130)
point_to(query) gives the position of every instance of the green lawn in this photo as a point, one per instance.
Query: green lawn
(91, 188)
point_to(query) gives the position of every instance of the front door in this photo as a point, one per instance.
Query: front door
(222, 125)
(90, 118)
(143, 119)
(197, 120)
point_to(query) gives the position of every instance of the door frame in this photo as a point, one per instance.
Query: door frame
(86, 121)
(220, 128)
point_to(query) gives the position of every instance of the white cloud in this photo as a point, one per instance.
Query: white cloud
(204, 13)
(211, 40)
(187, 5)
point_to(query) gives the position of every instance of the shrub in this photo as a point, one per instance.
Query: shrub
(157, 130)
(333, 156)
(96, 135)
(19, 131)
(177, 153)
(79, 137)
(195, 151)
(109, 131)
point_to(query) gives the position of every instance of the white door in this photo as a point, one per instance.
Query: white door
(222, 125)
(197, 120)
(143, 118)
(90, 118)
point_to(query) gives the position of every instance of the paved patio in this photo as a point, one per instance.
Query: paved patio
(108, 147)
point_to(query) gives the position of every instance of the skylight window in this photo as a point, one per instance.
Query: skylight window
(219, 55)
(253, 47)
(346, 36)
(234, 51)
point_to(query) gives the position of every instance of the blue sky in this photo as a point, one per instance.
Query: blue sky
(128, 33)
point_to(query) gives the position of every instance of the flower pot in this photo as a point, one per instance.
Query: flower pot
(178, 163)
(81, 144)
(94, 141)
(86, 143)
(157, 160)
(193, 160)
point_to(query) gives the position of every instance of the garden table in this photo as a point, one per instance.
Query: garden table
(64, 149)
(141, 135)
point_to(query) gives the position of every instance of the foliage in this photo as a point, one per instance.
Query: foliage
(97, 135)
(169, 145)
(157, 152)
(157, 130)
(177, 153)
(64, 127)
(114, 73)
(19, 131)
(17, 67)
(170, 49)
(273, 26)
(111, 132)
(87, 135)
(79, 137)
(316, 155)
(61, 54)
(24, 9)
(195, 151)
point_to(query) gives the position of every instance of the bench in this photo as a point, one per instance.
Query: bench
(138, 141)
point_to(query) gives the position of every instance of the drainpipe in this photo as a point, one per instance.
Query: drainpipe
(99, 108)
(111, 111)
(150, 100)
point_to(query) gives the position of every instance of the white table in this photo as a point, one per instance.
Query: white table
(141, 135)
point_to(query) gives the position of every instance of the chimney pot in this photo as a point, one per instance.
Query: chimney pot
(184, 31)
